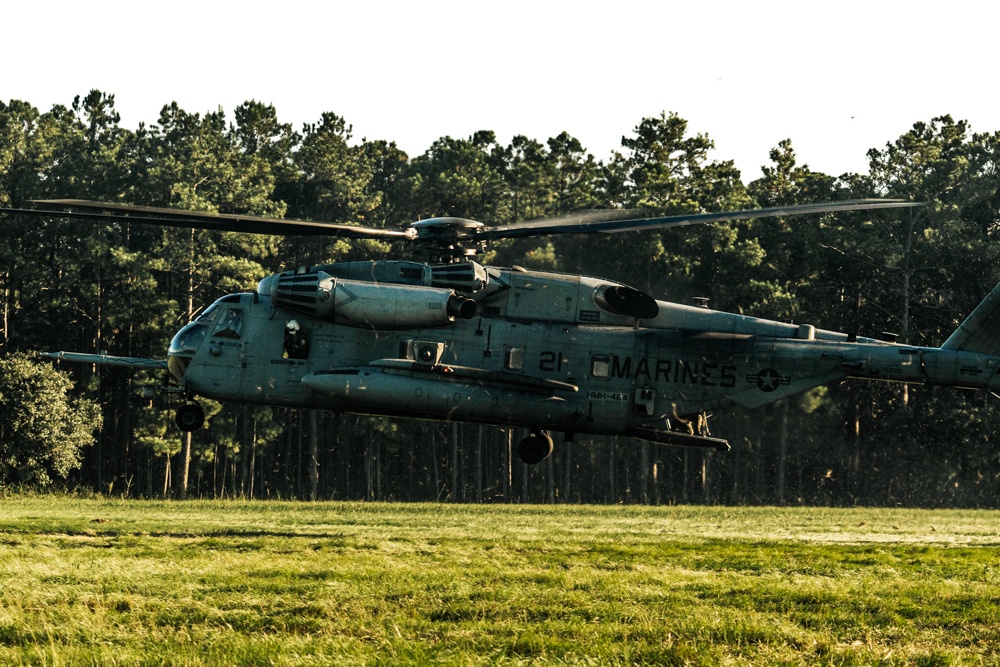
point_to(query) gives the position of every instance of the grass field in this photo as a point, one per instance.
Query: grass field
(106, 582)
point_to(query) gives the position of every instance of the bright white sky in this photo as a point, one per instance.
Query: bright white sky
(837, 78)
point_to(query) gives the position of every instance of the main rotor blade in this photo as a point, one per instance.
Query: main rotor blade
(585, 224)
(225, 222)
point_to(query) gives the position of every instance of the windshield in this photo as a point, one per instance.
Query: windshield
(209, 312)
(188, 340)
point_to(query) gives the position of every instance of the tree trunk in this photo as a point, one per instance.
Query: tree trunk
(479, 463)
(244, 462)
(434, 462)
(783, 452)
(506, 468)
(215, 470)
(5, 294)
(550, 480)
(185, 463)
(612, 472)
(456, 496)
(253, 454)
(687, 474)
(166, 477)
(378, 469)
(567, 461)
(905, 318)
(186, 459)
(300, 432)
(644, 473)
(706, 489)
(313, 456)
(369, 457)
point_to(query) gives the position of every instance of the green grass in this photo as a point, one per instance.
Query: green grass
(104, 582)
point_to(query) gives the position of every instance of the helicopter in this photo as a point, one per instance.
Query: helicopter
(448, 338)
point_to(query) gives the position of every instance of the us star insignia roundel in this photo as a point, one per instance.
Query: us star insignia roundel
(768, 379)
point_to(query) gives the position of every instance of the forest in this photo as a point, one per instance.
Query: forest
(125, 289)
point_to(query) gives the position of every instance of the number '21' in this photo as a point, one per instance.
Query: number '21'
(551, 361)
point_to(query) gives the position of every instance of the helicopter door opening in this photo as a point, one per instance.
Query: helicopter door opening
(296, 345)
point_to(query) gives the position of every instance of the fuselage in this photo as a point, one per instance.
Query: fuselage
(543, 350)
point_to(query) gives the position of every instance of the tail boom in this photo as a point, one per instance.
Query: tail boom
(925, 365)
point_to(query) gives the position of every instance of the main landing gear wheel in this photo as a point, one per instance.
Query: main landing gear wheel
(535, 448)
(190, 417)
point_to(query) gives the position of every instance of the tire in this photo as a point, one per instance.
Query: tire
(535, 448)
(190, 417)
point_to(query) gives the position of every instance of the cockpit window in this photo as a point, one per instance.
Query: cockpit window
(208, 312)
(230, 324)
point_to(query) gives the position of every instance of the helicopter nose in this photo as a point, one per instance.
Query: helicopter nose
(183, 347)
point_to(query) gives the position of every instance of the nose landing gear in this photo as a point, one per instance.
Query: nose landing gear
(535, 448)
(190, 417)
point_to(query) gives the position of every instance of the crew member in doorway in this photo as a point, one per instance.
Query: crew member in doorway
(296, 343)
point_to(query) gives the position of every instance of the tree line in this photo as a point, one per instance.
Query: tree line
(127, 288)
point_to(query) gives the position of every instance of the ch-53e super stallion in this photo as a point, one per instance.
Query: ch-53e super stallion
(450, 339)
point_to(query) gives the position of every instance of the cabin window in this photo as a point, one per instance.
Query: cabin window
(514, 359)
(230, 325)
(600, 366)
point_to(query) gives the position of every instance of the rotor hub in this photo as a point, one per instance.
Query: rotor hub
(448, 239)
